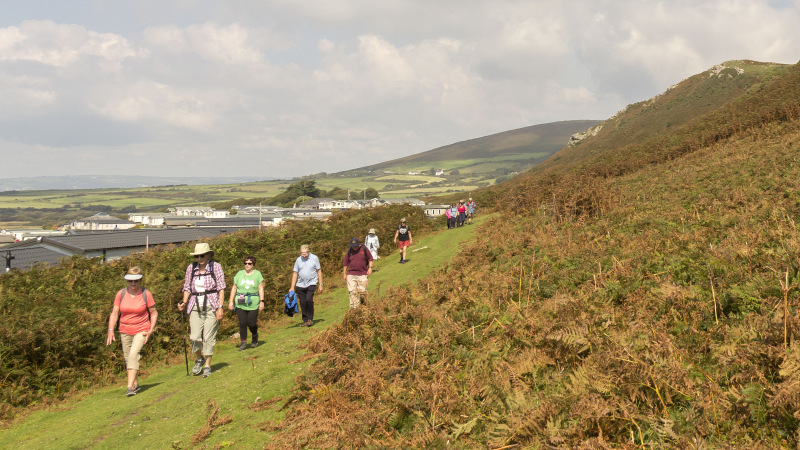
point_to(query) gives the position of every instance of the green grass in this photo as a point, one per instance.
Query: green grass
(173, 407)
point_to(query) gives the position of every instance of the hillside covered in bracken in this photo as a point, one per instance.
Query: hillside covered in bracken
(639, 289)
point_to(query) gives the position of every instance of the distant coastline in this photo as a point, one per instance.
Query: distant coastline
(113, 181)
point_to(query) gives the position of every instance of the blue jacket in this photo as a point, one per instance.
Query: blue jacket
(290, 300)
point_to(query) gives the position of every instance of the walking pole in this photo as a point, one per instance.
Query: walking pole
(185, 354)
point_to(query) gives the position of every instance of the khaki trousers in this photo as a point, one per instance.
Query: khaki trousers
(203, 334)
(131, 348)
(357, 286)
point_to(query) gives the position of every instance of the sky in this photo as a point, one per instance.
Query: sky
(284, 88)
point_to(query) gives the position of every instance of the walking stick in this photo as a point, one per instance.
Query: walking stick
(185, 354)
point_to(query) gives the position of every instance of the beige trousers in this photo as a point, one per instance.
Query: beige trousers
(357, 286)
(131, 348)
(203, 334)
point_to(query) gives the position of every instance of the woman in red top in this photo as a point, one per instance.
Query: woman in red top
(462, 213)
(137, 319)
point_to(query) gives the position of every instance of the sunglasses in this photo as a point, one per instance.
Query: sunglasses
(201, 256)
(248, 263)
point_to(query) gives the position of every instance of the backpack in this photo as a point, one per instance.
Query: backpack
(364, 250)
(210, 270)
(211, 291)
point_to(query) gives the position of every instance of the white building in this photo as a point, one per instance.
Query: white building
(101, 221)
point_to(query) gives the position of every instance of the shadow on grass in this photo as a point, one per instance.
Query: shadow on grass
(145, 387)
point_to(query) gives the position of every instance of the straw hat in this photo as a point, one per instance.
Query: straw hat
(372, 231)
(201, 249)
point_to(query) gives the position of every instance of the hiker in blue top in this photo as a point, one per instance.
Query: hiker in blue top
(306, 279)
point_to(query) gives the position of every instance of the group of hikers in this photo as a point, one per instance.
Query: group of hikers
(459, 213)
(135, 313)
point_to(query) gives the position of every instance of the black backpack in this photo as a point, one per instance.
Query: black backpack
(213, 277)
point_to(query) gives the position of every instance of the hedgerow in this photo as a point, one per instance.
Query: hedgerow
(54, 319)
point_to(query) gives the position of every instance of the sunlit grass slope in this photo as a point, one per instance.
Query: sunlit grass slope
(655, 305)
(245, 392)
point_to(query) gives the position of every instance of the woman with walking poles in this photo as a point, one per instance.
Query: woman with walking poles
(247, 299)
(203, 291)
(136, 310)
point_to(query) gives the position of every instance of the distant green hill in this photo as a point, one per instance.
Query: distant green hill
(512, 151)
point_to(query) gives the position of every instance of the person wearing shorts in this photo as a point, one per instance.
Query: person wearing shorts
(403, 239)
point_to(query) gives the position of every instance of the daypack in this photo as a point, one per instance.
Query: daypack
(144, 297)
(447, 213)
(290, 299)
(364, 250)
(213, 277)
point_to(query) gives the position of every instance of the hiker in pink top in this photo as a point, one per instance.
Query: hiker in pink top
(136, 310)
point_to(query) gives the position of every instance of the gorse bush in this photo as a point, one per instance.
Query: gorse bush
(52, 339)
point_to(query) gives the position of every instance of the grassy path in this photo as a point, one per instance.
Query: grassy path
(172, 408)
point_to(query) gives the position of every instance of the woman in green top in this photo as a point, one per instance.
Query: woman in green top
(247, 299)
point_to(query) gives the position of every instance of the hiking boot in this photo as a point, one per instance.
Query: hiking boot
(243, 346)
(310, 323)
(254, 344)
(136, 388)
(206, 372)
(198, 366)
(130, 392)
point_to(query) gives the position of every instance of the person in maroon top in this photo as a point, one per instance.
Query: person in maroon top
(357, 268)
(136, 310)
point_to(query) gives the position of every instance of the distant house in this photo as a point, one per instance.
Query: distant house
(7, 239)
(255, 210)
(150, 219)
(439, 172)
(396, 201)
(318, 203)
(201, 211)
(235, 222)
(435, 210)
(99, 222)
(303, 213)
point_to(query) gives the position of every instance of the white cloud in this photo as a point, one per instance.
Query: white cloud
(60, 45)
(326, 85)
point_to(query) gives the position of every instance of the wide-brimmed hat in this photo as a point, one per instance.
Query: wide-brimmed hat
(372, 231)
(354, 243)
(201, 249)
(134, 273)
